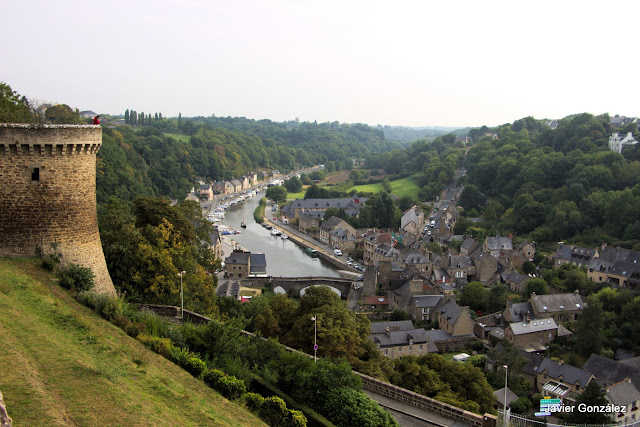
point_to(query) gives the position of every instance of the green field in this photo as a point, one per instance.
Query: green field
(400, 187)
(178, 136)
(62, 364)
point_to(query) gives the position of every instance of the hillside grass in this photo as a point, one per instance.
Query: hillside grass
(61, 364)
(399, 187)
(178, 137)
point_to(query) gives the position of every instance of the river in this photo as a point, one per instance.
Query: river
(284, 258)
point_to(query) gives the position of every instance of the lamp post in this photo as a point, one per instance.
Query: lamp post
(315, 335)
(506, 370)
(182, 273)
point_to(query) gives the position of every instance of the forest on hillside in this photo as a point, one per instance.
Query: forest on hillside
(152, 161)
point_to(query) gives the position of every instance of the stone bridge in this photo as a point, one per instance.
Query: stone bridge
(293, 285)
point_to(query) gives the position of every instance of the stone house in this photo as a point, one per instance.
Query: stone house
(412, 220)
(423, 306)
(559, 380)
(516, 282)
(569, 254)
(468, 246)
(237, 264)
(205, 191)
(245, 264)
(215, 244)
(459, 267)
(559, 307)
(487, 268)
(317, 207)
(625, 395)
(418, 263)
(370, 242)
(616, 265)
(397, 339)
(375, 302)
(337, 233)
(533, 335)
(309, 224)
(237, 186)
(453, 319)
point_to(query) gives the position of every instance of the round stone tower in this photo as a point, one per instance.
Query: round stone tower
(48, 195)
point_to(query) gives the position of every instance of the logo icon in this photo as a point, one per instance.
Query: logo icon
(546, 407)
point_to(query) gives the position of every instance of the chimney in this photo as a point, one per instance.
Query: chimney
(388, 331)
(510, 236)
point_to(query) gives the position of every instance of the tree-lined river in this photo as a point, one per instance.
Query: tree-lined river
(284, 258)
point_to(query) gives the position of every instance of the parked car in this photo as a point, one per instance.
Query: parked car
(337, 252)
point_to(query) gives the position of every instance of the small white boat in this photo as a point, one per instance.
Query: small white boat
(284, 236)
(276, 232)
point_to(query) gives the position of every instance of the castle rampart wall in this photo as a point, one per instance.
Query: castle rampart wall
(48, 194)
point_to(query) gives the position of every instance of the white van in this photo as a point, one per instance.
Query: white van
(337, 252)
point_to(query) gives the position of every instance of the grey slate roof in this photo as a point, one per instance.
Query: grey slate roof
(511, 396)
(450, 311)
(609, 371)
(555, 303)
(238, 258)
(380, 327)
(623, 393)
(396, 338)
(516, 277)
(416, 258)
(258, 264)
(521, 328)
(330, 223)
(570, 374)
(520, 311)
(439, 335)
(424, 301)
(469, 245)
(499, 243)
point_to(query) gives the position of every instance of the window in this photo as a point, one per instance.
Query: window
(399, 349)
(410, 349)
(420, 347)
(386, 352)
(35, 174)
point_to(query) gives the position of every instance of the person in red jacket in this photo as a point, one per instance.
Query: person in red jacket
(96, 120)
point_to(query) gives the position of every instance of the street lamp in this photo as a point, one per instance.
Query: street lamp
(506, 370)
(182, 273)
(315, 335)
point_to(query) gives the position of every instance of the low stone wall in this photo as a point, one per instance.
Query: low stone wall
(422, 402)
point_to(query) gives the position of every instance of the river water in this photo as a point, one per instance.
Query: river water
(284, 258)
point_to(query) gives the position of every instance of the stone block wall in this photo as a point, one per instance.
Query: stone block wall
(48, 195)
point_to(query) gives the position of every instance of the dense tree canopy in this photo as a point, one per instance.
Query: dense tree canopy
(13, 107)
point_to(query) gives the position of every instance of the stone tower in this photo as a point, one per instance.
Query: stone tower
(48, 195)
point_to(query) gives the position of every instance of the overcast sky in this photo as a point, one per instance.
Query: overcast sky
(409, 63)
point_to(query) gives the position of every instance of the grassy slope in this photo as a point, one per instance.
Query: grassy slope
(400, 187)
(61, 364)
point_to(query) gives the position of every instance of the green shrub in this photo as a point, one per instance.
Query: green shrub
(295, 419)
(50, 262)
(76, 277)
(179, 356)
(228, 386)
(253, 401)
(212, 377)
(195, 366)
(231, 387)
(273, 410)
(134, 329)
(107, 306)
(162, 346)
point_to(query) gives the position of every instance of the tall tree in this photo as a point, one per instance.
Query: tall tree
(126, 116)
(589, 328)
(13, 108)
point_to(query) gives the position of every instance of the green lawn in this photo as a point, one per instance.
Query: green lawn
(400, 187)
(178, 136)
(61, 364)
